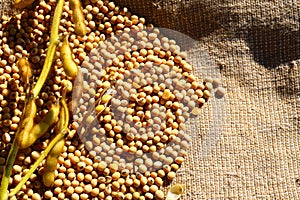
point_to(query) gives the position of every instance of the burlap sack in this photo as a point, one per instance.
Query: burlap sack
(252, 150)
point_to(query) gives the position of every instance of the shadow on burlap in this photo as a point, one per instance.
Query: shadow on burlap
(252, 152)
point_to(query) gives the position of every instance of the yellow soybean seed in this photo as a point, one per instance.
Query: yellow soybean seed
(25, 69)
(22, 3)
(106, 98)
(175, 192)
(69, 65)
(78, 17)
(99, 108)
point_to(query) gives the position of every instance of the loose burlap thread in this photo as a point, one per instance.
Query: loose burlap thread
(255, 45)
(246, 145)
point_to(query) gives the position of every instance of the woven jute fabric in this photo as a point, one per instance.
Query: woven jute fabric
(246, 145)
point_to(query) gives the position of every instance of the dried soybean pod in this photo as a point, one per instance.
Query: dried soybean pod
(77, 90)
(63, 114)
(27, 124)
(78, 17)
(25, 69)
(51, 163)
(22, 3)
(69, 65)
(38, 130)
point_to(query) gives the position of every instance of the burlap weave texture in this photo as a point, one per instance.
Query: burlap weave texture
(256, 47)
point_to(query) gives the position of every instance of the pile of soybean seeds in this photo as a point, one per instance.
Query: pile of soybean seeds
(133, 147)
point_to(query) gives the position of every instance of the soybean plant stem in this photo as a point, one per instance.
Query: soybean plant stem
(54, 41)
(38, 161)
(62, 132)
(7, 170)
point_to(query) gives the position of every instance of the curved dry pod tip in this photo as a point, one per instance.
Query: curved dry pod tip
(175, 192)
(22, 3)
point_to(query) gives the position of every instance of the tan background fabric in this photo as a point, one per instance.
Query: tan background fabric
(253, 152)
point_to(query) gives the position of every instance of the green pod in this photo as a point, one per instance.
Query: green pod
(69, 65)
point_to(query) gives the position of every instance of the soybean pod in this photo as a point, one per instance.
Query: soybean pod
(51, 163)
(78, 17)
(69, 65)
(38, 130)
(22, 3)
(77, 90)
(27, 124)
(64, 114)
(25, 69)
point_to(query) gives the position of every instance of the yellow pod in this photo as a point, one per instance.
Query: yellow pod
(25, 69)
(69, 65)
(48, 178)
(62, 121)
(24, 135)
(38, 130)
(78, 18)
(63, 115)
(51, 162)
(30, 109)
(80, 28)
(26, 124)
(57, 149)
(22, 3)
